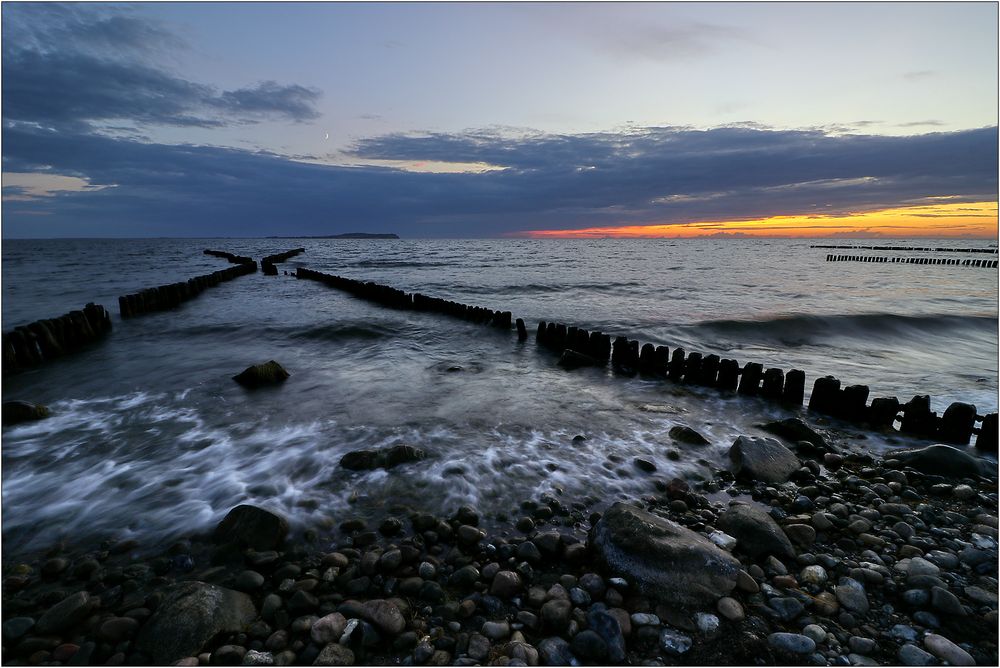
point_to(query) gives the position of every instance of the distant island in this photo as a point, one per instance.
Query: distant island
(349, 235)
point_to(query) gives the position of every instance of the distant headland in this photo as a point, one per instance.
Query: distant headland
(349, 235)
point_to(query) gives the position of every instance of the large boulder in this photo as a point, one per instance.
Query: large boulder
(755, 532)
(366, 460)
(258, 375)
(763, 459)
(191, 615)
(939, 460)
(663, 559)
(250, 526)
(16, 412)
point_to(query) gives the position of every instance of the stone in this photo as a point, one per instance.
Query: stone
(911, 655)
(706, 622)
(946, 602)
(963, 492)
(814, 632)
(248, 581)
(787, 608)
(730, 609)
(637, 544)
(644, 465)
(555, 652)
(674, 642)
(610, 631)
(860, 645)
(506, 584)
(15, 627)
(18, 412)
(801, 534)
(570, 359)
(250, 526)
(684, 434)
(756, 533)
(920, 566)
(190, 615)
(66, 614)
(228, 655)
(116, 629)
(795, 430)
(791, 643)
(328, 629)
(386, 458)
(496, 630)
(479, 647)
(763, 459)
(256, 658)
(946, 650)
(722, 539)
(334, 654)
(942, 460)
(814, 575)
(589, 646)
(556, 613)
(851, 594)
(259, 375)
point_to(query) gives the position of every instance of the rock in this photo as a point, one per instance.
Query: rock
(920, 566)
(250, 526)
(763, 459)
(258, 375)
(255, 658)
(787, 607)
(479, 647)
(18, 412)
(722, 539)
(802, 534)
(791, 643)
(859, 645)
(190, 615)
(821, 522)
(674, 642)
(644, 464)
(610, 631)
(645, 619)
(706, 622)
(228, 655)
(116, 629)
(911, 655)
(590, 647)
(506, 584)
(637, 544)
(946, 650)
(556, 613)
(756, 533)
(570, 359)
(946, 602)
(328, 629)
(334, 654)
(815, 575)
(16, 627)
(687, 435)
(730, 608)
(851, 594)
(248, 581)
(942, 460)
(496, 630)
(555, 652)
(815, 632)
(365, 460)
(794, 430)
(66, 614)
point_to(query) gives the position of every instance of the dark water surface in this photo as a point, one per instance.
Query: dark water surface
(151, 438)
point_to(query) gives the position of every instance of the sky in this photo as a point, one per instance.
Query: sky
(499, 119)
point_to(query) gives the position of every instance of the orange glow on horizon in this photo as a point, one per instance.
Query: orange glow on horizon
(975, 219)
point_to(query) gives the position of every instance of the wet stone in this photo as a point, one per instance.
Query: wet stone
(674, 642)
(911, 655)
(791, 643)
(948, 651)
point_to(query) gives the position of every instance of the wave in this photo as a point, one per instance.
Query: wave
(805, 329)
(343, 331)
(398, 263)
(537, 288)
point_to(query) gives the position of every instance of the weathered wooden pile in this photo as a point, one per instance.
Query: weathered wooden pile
(234, 259)
(170, 296)
(267, 263)
(987, 264)
(395, 298)
(911, 248)
(31, 345)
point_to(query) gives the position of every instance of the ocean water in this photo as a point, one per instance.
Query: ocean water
(150, 437)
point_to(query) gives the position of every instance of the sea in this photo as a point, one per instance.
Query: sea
(151, 439)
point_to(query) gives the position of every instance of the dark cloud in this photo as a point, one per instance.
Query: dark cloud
(651, 175)
(68, 68)
(917, 124)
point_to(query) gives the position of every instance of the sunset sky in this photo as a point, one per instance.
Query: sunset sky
(507, 119)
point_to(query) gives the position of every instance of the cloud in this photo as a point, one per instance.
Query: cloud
(642, 176)
(69, 68)
(919, 75)
(680, 40)
(917, 124)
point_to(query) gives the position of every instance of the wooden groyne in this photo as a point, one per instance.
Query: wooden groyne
(267, 263)
(234, 259)
(395, 298)
(577, 347)
(170, 296)
(987, 264)
(31, 345)
(924, 249)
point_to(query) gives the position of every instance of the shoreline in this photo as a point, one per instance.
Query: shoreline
(918, 552)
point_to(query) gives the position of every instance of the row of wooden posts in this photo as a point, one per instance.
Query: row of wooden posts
(233, 259)
(911, 248)
(394, 298)
(579, 347)
(43, 340)
(267, 263)
(170, 296)
(988, 264)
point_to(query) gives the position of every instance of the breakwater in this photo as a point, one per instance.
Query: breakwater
(233, 259)
(267, 263)
(577, 347)
(31, 345)
(165, 297)
(926, 249)
(986, 264)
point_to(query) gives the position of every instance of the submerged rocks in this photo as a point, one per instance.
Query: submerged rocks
(259, 375)
(663, 559)
(763, 459)
(18, 412)
(67, 613)
(570, 359)
(250, 526)
(385, 458)
(192, 614)
(795, 430)
(939, 459)
(687, 435)
(755, 532)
